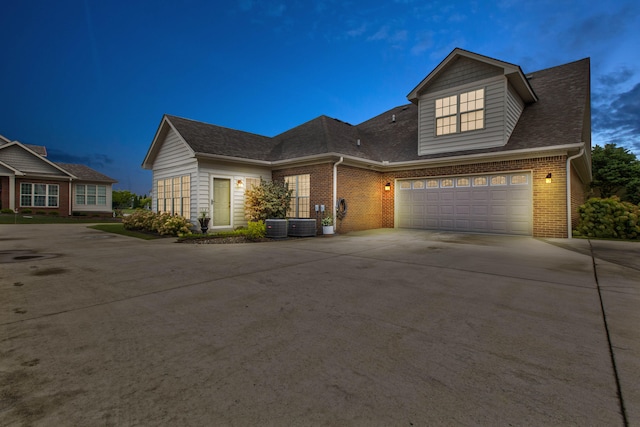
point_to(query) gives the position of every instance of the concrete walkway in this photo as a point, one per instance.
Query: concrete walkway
(385, 327)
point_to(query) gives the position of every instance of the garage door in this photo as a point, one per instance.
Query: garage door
(496, 203)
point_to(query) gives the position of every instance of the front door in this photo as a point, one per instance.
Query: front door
(221, 202)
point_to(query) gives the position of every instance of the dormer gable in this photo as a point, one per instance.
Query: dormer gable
(468, 102)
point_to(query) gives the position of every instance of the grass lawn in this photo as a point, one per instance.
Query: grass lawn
(118, 228)
(51, 219)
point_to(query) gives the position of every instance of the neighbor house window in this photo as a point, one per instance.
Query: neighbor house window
(467, 109)
(90, 194)
(301, 186)
(39, 195)
(174, 195)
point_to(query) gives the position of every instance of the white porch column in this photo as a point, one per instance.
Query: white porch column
(12, 192)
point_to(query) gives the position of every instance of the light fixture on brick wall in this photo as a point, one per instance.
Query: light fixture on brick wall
(387, 186)
(548, 178)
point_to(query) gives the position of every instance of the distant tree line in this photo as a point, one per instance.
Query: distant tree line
(124, 199)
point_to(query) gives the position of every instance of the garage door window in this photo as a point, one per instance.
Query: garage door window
(519, 180)
(405, 185)
(446, 183)
(462, 182)
(418, 185)
(432, 183)
(480, 181)
(499, 180)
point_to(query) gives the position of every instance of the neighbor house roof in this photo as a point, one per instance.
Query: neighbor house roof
(85, 173)
(556, 118)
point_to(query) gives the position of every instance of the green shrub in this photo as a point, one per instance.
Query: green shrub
(163, 224)
(54, 213)
(6, 211)
(609, 218)
(256, 230)
(25, 211)
(270, 199)
(41, 212)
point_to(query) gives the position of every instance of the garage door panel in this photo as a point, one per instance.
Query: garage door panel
(499, 207)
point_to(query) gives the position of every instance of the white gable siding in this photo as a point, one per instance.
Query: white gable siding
(20, 159)
(173, 153)
(514, 109)
(493, 135)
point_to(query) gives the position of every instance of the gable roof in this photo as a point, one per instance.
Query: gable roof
(511, 71)
(85, 173)
(30, 164)
(558, 119)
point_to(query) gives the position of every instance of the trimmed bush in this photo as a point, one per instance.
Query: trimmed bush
(41, 212)
(256, 230)
(163, 224)
(609, 218)
(54, 213)
(6, 211)
(25, 211)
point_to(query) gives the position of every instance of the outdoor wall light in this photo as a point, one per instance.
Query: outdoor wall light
(548, 178)
(387, 186)
(240, 184)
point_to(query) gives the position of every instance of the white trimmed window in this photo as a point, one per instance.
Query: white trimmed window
(90, 194)
(301, 186)
(174, 195)
(467, 109)
(39, 195)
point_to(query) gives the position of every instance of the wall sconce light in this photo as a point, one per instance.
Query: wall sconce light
(240, 184)
(387, 186)
(548, 178)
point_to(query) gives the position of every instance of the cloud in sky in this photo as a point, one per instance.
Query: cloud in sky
(96, 161)
(618, 120)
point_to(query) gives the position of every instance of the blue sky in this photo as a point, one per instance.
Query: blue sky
(91, 79)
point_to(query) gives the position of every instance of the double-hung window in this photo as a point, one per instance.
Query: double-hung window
(300, 184)
(91, 194)
(39, 195)
(460, 113)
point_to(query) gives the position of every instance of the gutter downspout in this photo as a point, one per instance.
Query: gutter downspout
(335, 189)
(70, 198)
(569, 232)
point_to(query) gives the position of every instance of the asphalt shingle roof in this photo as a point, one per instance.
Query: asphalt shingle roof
(85, 173)
(557, 118)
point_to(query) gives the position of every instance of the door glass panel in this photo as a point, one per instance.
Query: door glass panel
(221, 202)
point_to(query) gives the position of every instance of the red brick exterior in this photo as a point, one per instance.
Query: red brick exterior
(4, 192)
(370, 206)
(63, 196)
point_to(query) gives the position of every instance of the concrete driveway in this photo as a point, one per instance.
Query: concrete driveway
(386, 327)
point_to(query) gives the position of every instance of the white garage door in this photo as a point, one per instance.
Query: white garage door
(496, 203)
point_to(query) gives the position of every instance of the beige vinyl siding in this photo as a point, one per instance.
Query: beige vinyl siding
(233, 172)
(24, 161)
(493, 134)
(514, 108)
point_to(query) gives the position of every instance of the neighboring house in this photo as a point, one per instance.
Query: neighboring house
(28, 180)
(482, 147)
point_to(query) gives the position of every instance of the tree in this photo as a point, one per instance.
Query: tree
(123, 199)
(270, 199)
(616, 171)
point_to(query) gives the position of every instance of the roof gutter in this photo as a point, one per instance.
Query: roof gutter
(386, 165)
(581, 153)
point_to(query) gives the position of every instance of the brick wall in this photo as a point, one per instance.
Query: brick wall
(4, 192)
(321, 182)
(362, 191)
(63, 196)
(370, 206)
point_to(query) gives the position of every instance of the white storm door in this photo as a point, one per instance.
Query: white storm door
(221, 202)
